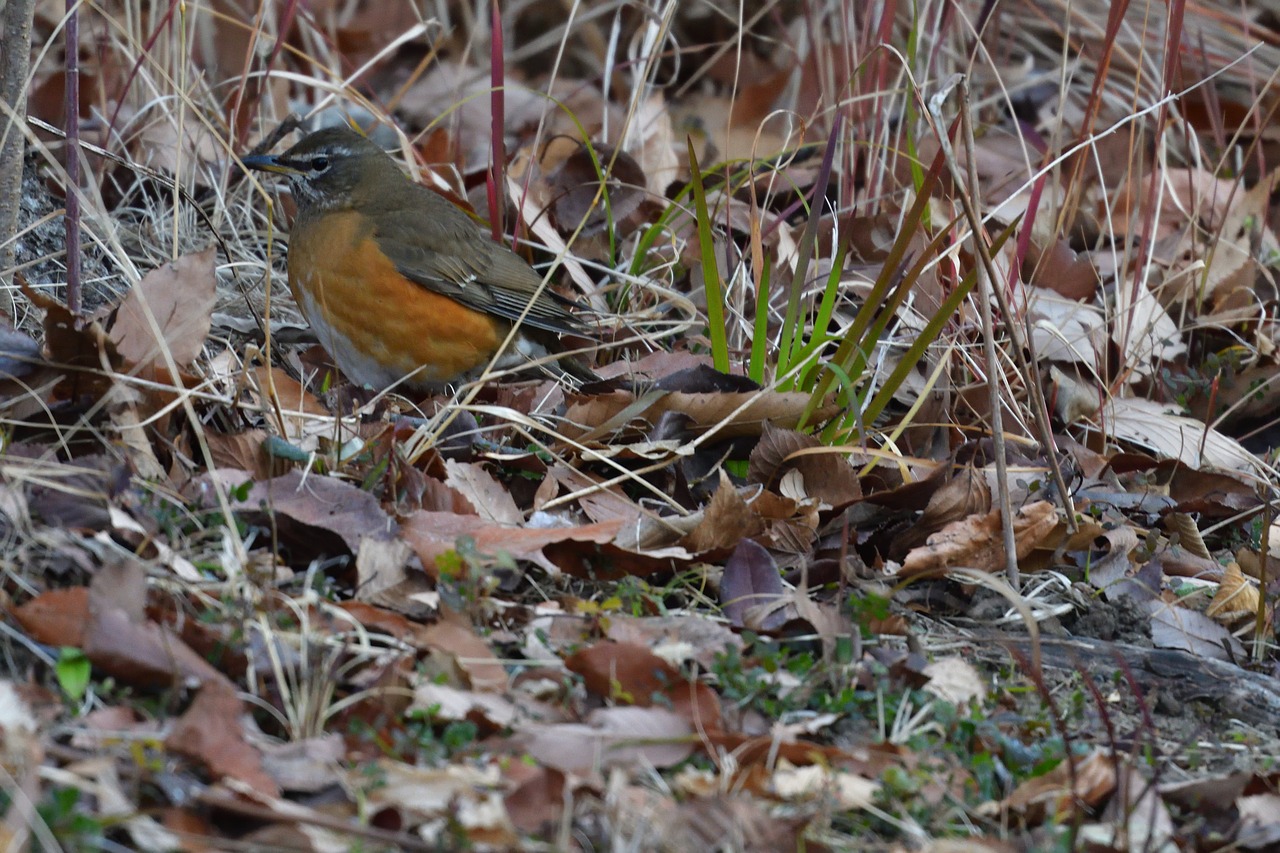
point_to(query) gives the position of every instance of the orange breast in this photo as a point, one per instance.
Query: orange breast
(375, 323)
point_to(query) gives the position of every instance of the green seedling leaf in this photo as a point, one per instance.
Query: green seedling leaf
(72, 670)
(710, 270)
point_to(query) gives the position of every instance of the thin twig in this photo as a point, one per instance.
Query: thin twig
(985, 287)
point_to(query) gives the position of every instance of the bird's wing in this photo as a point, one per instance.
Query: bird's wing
(451, 257)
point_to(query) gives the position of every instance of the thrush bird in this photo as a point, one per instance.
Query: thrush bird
(398, 282)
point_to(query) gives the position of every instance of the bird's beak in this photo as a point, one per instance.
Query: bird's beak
(269, 163)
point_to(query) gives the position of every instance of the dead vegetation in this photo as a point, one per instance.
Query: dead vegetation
(926, 503)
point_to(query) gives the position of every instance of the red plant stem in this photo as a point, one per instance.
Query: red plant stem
(497, 107)
(73, 157)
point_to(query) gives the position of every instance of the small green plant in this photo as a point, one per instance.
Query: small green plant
(73, 670)
(71, 825)
(438, 744)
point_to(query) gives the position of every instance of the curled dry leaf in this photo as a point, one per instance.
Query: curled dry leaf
(955, 680)
(1171, 435)
(827, 475)
(976, 542)
(1052, 795)
(846, 790)
(433, 534)
(1236, 598)
(726, 521)
(468, 795)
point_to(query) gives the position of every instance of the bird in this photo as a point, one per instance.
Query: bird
(398, 283)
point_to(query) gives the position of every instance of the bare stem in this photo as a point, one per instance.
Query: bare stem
(73, 157)
(14, 67)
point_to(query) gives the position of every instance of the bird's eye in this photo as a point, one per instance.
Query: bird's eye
(319, 164)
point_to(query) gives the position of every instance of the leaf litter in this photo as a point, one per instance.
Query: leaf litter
(753, 608)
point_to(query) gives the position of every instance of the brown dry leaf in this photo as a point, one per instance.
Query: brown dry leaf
(751, 590)
(1052, 795)
(599, 504)
(292, 396)
(845, 791)
(577, 198)
(122, 643)
(1061, 269)
(621, 736)
(83, 352)
(469, 796)
(1259, 821)
(328, 514)
(433, 534)
(240, 451)
(383, 565)
(1065, 330)
(675, 638)
(306, 766)
(975, 542)
(655, 821)
(1151, 425)
(955, 680)
(1136, 817)
(1110, 570)
(1188, 195)
(1236, 597)
(965, 493)
(56, 617)
(535, 797)
(742, 413)
(827, 475)
(651, 139)
(1212, 494)
(491, 500)
(453, 639)
(623, 672)
(210, 732)
(488, 710)
(180, 297)
(1174, 627)
(726, 521)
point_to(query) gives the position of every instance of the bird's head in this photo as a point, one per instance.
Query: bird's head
(330, 168)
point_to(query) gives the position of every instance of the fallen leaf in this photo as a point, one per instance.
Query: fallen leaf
(1175, 627)
(1236, 597)
(751, 582)
(210, 732)
(622, 736)
(955, 680)
(1053, 796)
(977, 542)
(179, 297)
(622, 672)
(846, 790)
